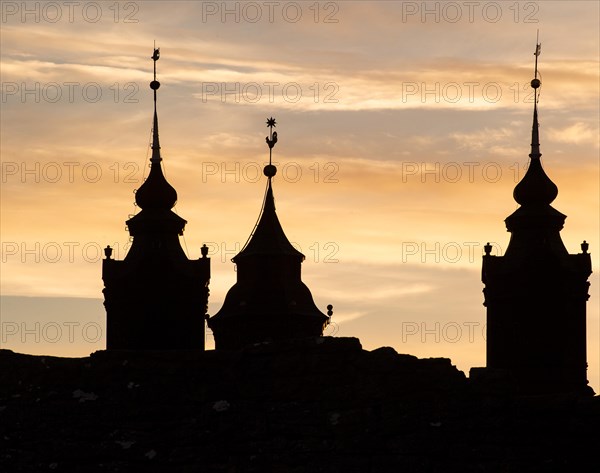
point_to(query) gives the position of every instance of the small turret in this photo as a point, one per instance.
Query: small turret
(269, 300)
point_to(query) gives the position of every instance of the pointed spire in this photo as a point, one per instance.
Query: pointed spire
(156, 192)
(535, 135)
(155, 142)
(535, 85)
(268, 236)
(535, 188)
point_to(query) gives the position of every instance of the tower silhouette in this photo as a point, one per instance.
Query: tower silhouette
(536, 293)
(269, 301)
(156, 298)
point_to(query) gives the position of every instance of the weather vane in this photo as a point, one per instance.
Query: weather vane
(154, 85)
(271, 170)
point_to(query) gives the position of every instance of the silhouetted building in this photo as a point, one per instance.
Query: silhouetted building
(156, 298)
(536, 293)
(269, 301)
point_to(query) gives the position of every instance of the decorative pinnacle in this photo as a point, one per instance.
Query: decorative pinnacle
(271, 170)
(155, 193)
(585, 246)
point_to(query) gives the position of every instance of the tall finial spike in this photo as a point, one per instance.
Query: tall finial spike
(535, 84)
(154, 85)
(271, 170)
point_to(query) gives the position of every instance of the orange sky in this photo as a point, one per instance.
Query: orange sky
(403, 128)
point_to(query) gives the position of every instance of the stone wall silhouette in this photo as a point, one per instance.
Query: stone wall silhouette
(312, 405)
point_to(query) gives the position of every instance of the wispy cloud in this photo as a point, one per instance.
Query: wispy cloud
(579, 133)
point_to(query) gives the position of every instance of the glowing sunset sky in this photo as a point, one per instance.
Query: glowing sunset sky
(403, 129)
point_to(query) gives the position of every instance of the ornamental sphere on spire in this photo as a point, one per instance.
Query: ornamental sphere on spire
(270, 170)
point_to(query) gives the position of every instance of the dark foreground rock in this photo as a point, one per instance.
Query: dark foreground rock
(316, 405)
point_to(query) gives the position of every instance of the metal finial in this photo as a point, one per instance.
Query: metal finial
(156, 54)
(154, 85)
(271, 170)
(536, 83)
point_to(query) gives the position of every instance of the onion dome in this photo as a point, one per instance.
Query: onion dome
(536, 188)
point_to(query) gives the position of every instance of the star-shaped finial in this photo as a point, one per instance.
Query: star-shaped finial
(271, 140)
